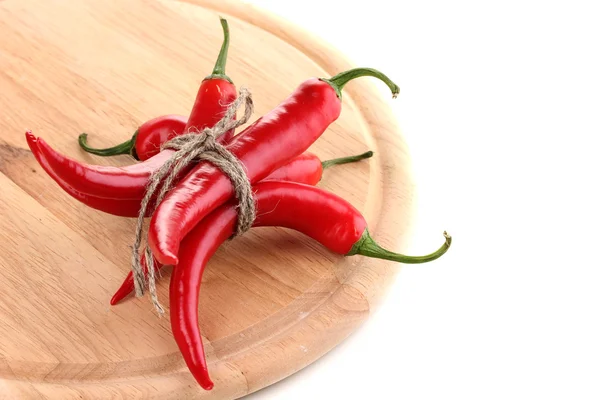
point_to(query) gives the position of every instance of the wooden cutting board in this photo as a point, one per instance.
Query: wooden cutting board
(272, 301)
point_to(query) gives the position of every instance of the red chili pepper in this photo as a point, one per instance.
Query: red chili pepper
(321, 215)
(307, 169)
(146, 140)
(264, 146)
(112, 206)
(113, 188)
(215, 94)
(123, 183)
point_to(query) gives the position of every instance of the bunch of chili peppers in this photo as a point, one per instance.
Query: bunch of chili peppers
(199, 213)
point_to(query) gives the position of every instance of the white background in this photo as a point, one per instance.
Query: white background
(500, 105)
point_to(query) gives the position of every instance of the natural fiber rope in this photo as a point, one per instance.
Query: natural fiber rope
(193, 147)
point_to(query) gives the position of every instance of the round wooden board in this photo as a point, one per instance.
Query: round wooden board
(272, 301)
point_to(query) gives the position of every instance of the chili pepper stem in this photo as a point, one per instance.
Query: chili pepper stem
(127, 147)
(366, 246)
(219, 70)
(339, 81)
(345, 160)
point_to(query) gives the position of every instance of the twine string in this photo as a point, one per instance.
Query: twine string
(190, 148)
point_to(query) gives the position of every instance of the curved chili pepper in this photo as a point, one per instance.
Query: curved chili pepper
(215, 94)
(75, 177)
(268, 143)
(306, 168)
(123, 183)
(321, 215)
(123, 208)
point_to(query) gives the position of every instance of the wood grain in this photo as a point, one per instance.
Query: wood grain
(272, 301)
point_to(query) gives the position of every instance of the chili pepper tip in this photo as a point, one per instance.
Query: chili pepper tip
(32, 140)
(123, 291)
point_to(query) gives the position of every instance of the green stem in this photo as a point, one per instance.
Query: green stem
(346, 160)
(219, 70)
(366, 246)
(338, 81)
(127, 147)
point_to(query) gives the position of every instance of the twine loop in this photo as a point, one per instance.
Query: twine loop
(193, 147)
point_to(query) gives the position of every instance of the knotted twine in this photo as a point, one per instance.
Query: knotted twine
(190, 148)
